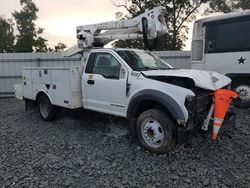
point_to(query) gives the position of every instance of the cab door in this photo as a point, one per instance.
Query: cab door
(104, 84)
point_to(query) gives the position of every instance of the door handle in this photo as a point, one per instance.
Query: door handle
(91, 82)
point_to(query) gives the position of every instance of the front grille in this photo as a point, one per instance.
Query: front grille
(203, 102)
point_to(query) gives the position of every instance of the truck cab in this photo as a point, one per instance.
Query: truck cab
(113, 77)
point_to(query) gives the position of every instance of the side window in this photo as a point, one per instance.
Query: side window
(106, 65)
(228, 37)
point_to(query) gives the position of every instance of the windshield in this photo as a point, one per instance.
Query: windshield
(143, 60)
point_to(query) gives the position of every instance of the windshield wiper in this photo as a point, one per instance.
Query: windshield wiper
(149, 68)
(167, 68)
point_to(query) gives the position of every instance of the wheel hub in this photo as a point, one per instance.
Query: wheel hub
(152, 133)
(244, 92)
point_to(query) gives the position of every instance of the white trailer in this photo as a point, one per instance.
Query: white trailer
(222, 43)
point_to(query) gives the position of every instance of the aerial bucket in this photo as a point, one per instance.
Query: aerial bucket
(222, 100)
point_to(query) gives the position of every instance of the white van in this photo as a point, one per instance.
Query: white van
(222, 43)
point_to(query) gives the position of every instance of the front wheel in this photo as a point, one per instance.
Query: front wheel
(46, 109)
(155, 131)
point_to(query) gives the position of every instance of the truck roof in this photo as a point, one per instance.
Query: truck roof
(198, 32)
(130, 49)
(74, 50)
(225, 16)
(119, 49)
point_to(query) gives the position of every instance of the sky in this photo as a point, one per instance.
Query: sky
(60, 17)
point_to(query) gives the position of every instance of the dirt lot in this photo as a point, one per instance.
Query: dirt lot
(93, 150)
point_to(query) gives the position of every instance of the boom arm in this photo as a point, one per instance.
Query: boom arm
(148, 25)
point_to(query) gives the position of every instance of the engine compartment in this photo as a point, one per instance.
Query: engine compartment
(200, 105)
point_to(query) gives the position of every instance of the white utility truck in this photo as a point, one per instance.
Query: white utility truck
(162, 104)
(222, 43)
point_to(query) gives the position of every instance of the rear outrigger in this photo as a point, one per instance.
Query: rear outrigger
(162, 104)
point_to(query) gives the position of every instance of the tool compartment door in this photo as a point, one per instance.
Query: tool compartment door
(40, 75)
(59, 90)
(27, 84)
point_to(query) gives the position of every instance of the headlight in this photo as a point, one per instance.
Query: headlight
(190, 103)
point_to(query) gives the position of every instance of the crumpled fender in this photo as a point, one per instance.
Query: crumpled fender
(157, 96)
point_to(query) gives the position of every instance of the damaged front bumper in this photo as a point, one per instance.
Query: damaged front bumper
(183, 133)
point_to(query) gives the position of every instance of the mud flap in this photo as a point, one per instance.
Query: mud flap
(183, 134)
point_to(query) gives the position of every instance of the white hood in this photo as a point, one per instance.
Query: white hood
(204, 79)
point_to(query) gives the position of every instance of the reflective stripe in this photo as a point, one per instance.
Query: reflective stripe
(216, 129)
(218, 119)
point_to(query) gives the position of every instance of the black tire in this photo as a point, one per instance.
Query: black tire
(47, 111)
(242, 87)
(149, 137)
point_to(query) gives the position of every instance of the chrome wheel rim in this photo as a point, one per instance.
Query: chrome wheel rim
(152, 132)
(244, 92)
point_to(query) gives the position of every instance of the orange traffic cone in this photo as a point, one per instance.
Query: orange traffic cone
(222, 100)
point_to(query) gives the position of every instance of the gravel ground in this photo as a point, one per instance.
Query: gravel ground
(89, 149)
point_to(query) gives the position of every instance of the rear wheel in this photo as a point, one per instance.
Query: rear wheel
(242, 87)
(155, 131)
(46, 109)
